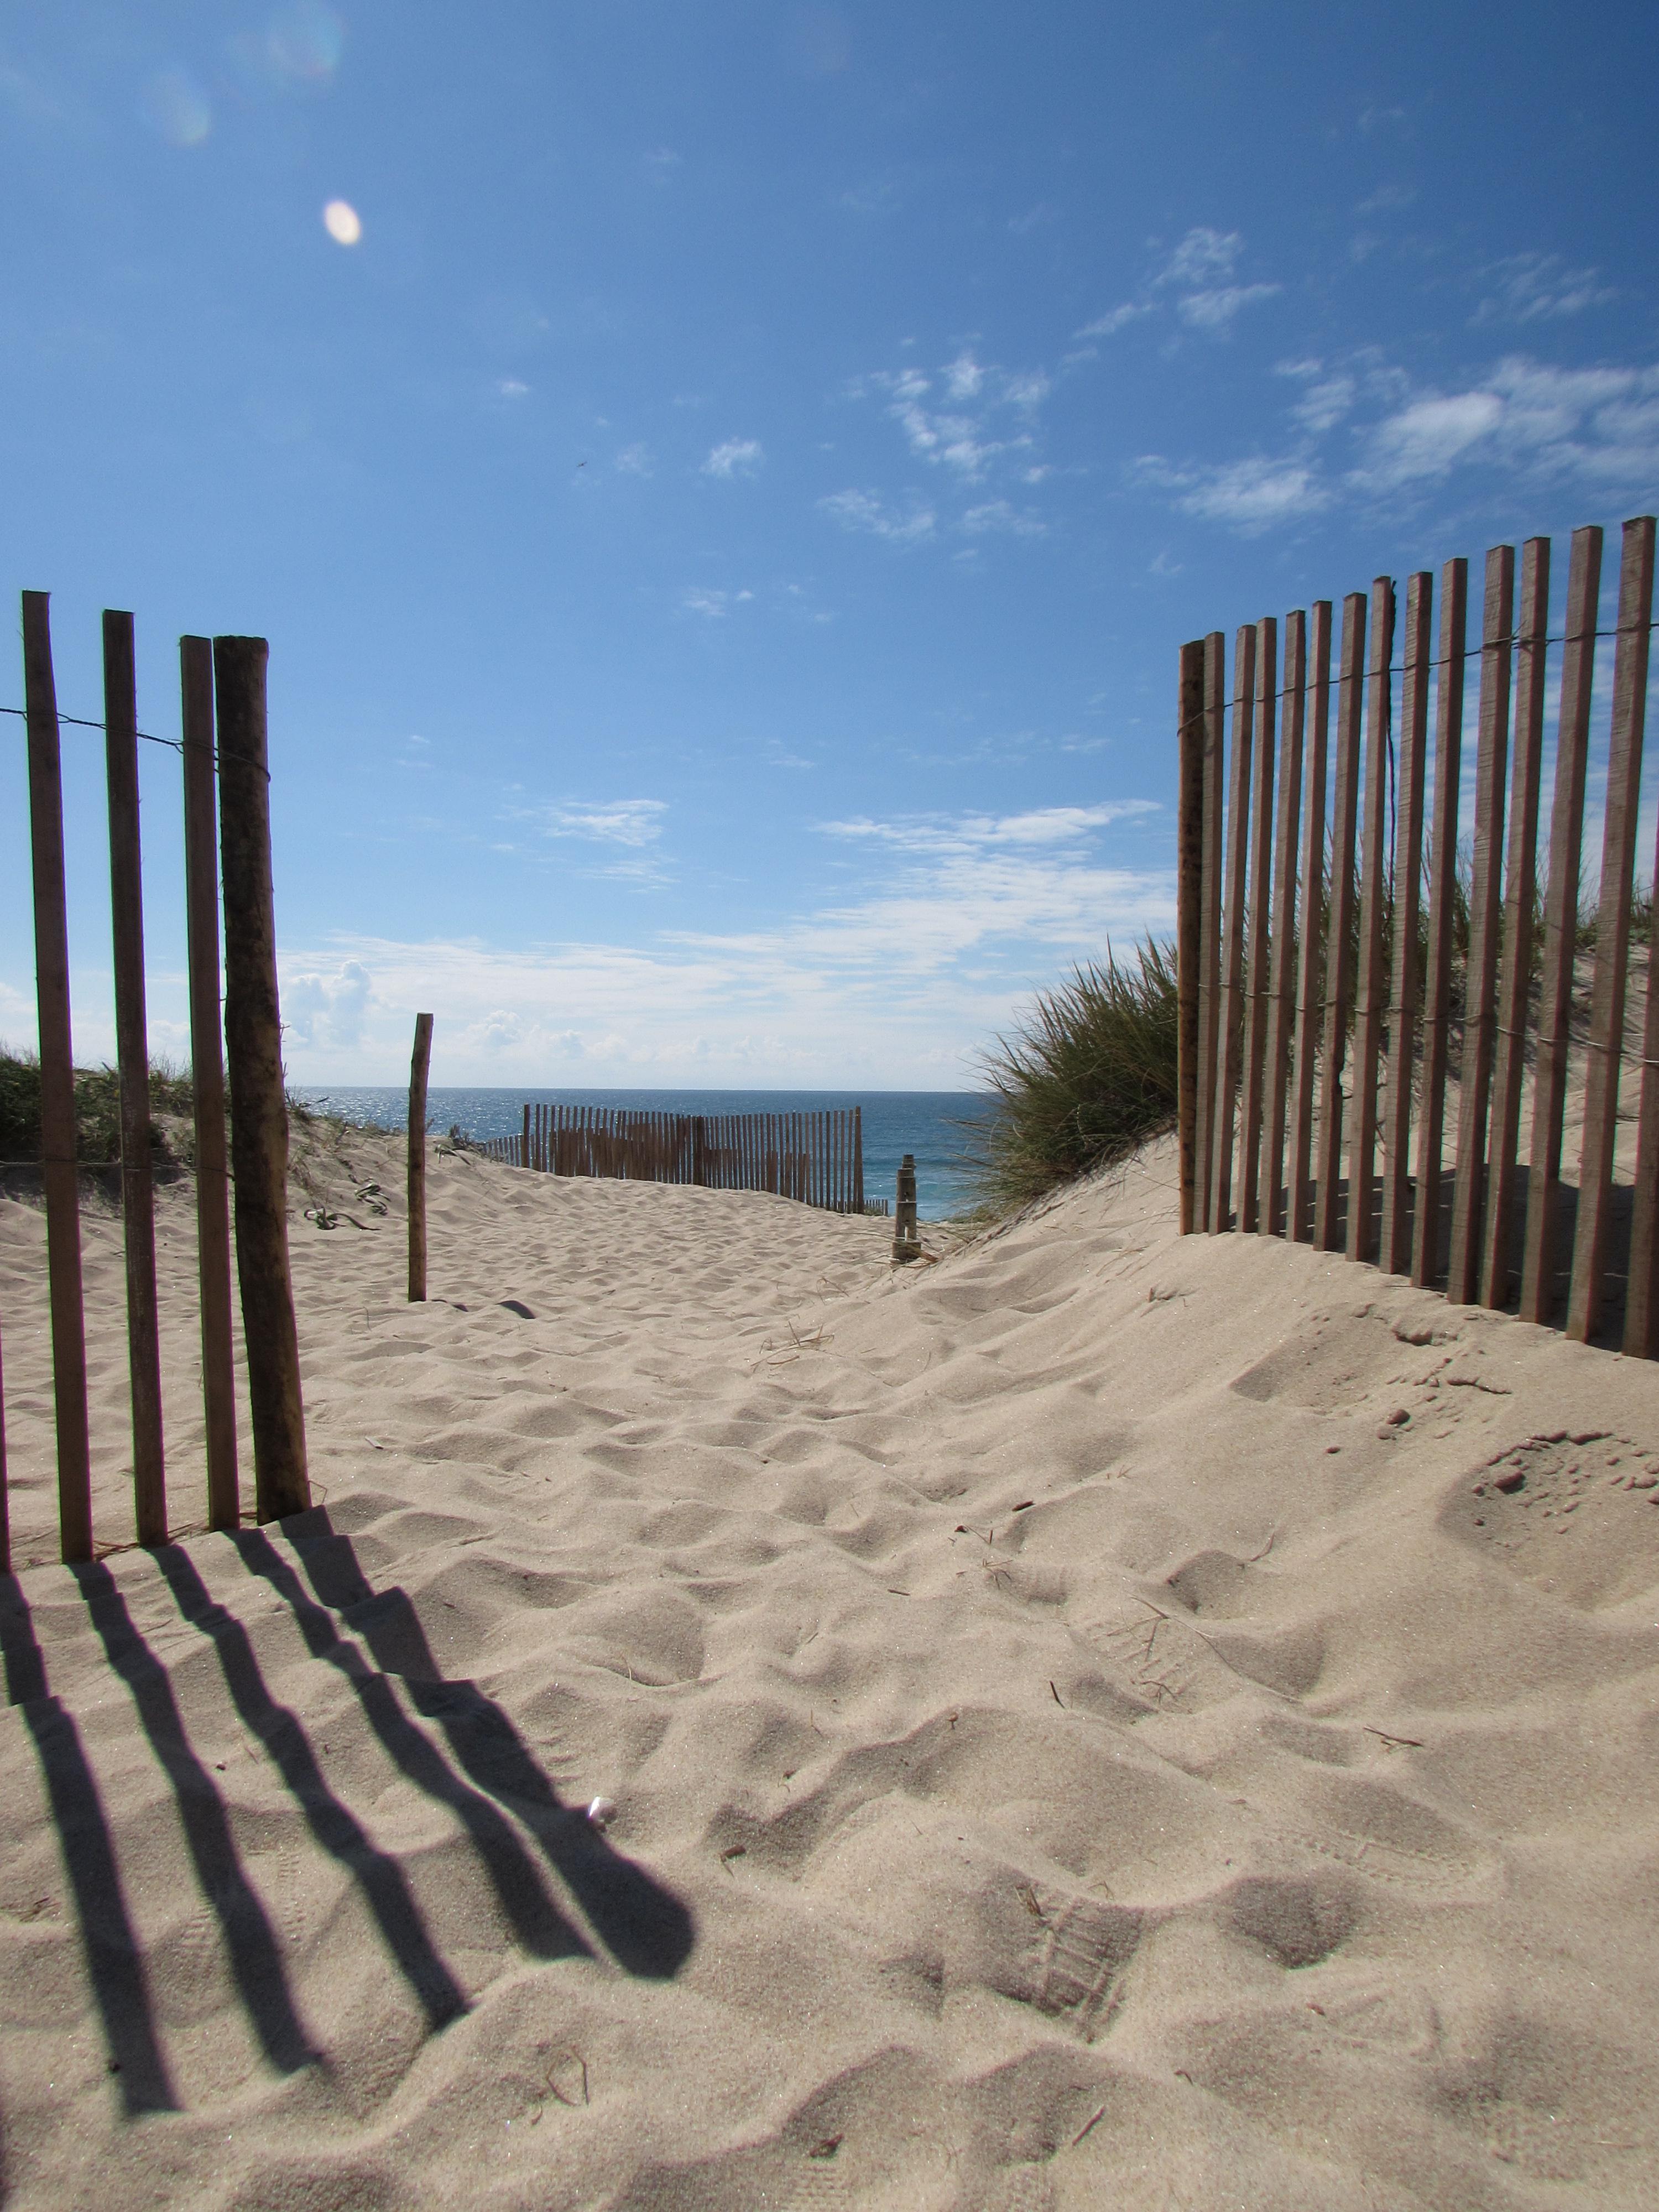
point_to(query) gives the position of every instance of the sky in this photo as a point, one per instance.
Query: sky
(726, 485)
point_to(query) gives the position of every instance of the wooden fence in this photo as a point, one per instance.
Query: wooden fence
(1366, 1025)
(223, 739)
(816, 1157)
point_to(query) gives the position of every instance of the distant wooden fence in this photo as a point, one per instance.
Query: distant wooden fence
(1332, 1008)
(816, 1157)
(223, 730)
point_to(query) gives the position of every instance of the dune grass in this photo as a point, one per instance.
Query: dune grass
(1087, 1076)
(97, 1107)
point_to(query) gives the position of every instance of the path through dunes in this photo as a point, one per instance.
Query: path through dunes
(1104, 1718)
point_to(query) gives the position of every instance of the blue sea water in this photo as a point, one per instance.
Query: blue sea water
(925, 1122)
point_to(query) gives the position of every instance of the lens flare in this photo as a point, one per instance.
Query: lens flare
(343, 222)
(176, 108)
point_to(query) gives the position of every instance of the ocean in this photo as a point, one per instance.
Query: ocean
(925, 1122)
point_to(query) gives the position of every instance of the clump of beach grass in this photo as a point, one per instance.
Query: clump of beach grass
(1086, 1078)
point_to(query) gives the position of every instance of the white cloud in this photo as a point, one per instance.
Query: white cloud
(1602, 424)
(1425, 438)
(963, 378)
(1251, 494)
(510, 388)
(737, 457)
(1325, 403)
(1535, 287)
(1116, 319)
(698, 600)
(635, 460)
(630, 821)
(868, 510)
(932, 949)
(1203, 253)
(998, 514)
(1217, 310)
(327, 1011)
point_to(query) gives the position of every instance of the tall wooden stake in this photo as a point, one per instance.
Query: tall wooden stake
(1230, 1047)
(58, 1147)
(1370, 984)
(1261, 922)
(126, 900)
(417, 1068)
(1310, 956)
(1520, 885)
(1480, 994)
(1339, 950)
(1189, 885)
(1405, 980)
(207, 1068)
(1443, 877)
(1560, 925)
(258, 1112)
(1282, 979)
(1606, 1036)
(1209, 914)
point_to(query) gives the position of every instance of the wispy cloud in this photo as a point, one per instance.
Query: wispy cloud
(1116, 319)
(1250, 494)
(998, 514)
(738, 457)
(631, 822)
(635, 460)
(1531, 288)
(869, 511)
(1600, 424)
(929, 951)
(713, 604)
(1219, 310)
(1201, 255)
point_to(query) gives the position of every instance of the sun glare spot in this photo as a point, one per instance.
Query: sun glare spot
(343, 222)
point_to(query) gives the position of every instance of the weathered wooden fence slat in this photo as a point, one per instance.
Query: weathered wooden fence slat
(1310, 950)
(1393, 1249)
(817, 1157)
(1342, 990)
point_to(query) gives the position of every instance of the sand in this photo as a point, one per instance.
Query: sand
(1101, 1720)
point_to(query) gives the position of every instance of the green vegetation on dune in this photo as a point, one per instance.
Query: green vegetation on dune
(1088, 1076)
(97, 1109)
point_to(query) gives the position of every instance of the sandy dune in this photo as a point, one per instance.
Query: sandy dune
(1102, 1720)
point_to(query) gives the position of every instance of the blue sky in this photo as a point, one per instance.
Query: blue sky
(725, 484)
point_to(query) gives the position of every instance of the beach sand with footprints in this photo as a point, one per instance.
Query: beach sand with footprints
(1095, 1719)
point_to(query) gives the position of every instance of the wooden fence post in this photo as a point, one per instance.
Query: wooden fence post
(1338, 952)
(1606, 1036)
(417, 1134)
(1190, 887)
(258, 1112)
(1370, 986)
(1442, 884)
(857, 1159)
(1560, 925)
(524, 1141)
(206, 1069)
(1310, 963)
(5, 1506)
(1230, 1044)
(1282, 979)
(126, 901)
(1209, 914)
(1642, 1292)
(907, 1238)
(1405, 981)
(1520, 886)
(1479, 1010)
(1261, 922)
(58, 1171)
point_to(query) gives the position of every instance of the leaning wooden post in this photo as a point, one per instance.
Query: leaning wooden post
(417, 1068)
(259, 1111)
(906, 1238)
(58, 1165)
(207, 1068)
(126, 902)
(1189, 885)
